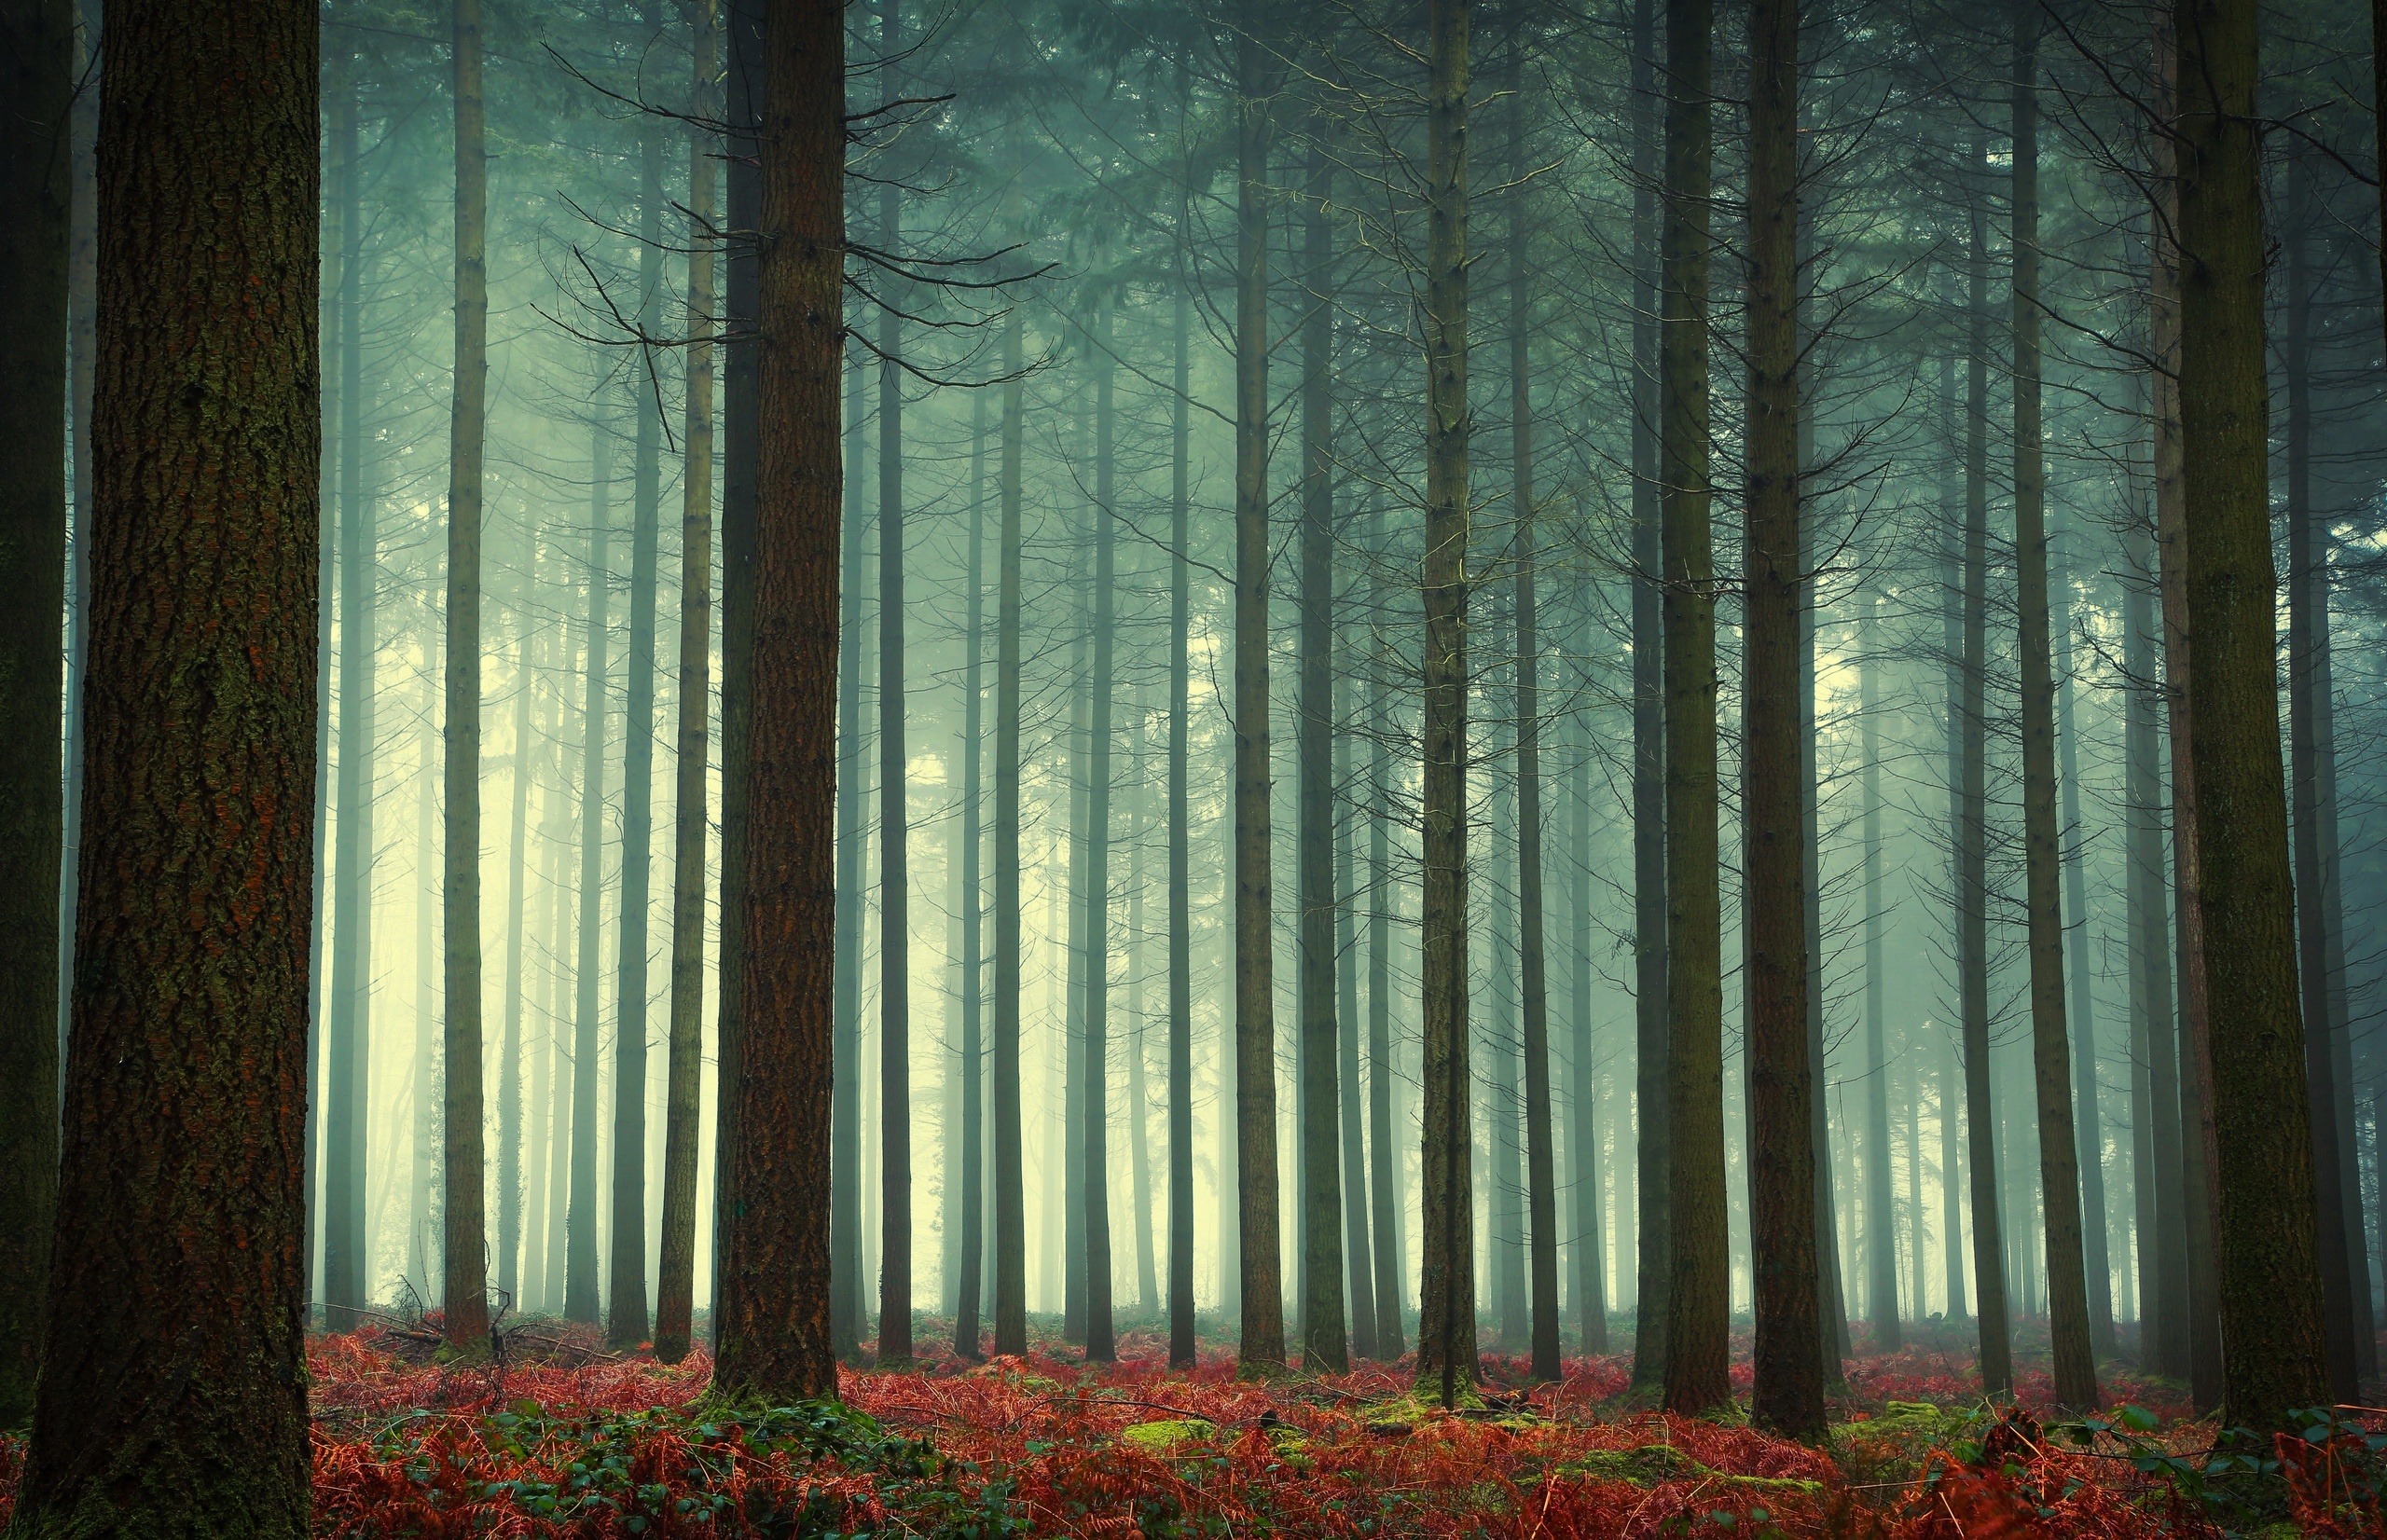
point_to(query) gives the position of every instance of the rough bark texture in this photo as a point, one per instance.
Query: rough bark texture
(1699, 1304)
(1788, 1394)
(1446, 1283)
(173, 1398)
(675, 1282)
(773, 1336)
(465, 1249)
(38, 69)
(2264, 1218)
(2076, 1367)
(1261, 1350)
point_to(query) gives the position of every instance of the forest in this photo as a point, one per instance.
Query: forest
(982, 768)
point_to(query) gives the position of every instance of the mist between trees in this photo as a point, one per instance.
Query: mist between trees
(1510, 678)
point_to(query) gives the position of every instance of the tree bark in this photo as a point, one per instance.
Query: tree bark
(509, 1054)
(1447, 1323)
(774, 1340)
(846, 1230)
(1789, 1390)
(580, 1301)
(675, 1284)
(1261, 1351)
(1954, 582)
(1881, 1218)
(1699, 1324)
(1101, 1337)
(36, 186)
(2096, 1244)
(969, 1290)
(185, 1120)
(2075, 1364)
(464, 1250)
(1583, 1129)
(1180, 978)
(1011, 1204)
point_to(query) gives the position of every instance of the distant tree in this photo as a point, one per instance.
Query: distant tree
(186, 1111)
(38, 69)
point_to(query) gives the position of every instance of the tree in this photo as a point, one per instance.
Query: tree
(773, 1336)
(1011, 1200)
(580, 1301)
(1446, 1280)
(969, 1285)
(1881, 1218)
(464, 1250)
(1698, 1342)
(37, 66)
(1101, 1345)
(2076, 1366)
(1789, 1394)
(2264, 1217)
(184, 1121)
(675, 1282)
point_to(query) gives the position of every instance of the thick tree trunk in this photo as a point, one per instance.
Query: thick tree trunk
(465, 1249)
(1788, 1392)
(36, 186)
(1101, 1337)
(625, 1317)
(1699, 1304)
(1180, 973)
(774, 1340)
(185, 1120)
(1325, 1346)
(1261, 1351)
(1881, 1218)
(2270, 1294)
(1446, 1284)
(2076, 1365)
(580, 1226)
(1972, 828)
(676, 1267)
(1011, 1204)
(1653, 1234)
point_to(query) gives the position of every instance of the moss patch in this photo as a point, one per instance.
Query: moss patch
(1162, 1437)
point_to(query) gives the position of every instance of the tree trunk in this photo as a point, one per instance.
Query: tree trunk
(1788, 1391)
(774, 1339)
(1011, 1204)
(185, 1120)
(2075, 1364)
(2307, 634)
(894, 860)
(1653, 1234)
(969, 1284)
(1383, 1153)
(1261, 1351)
(1139, 1154)
(2270, 1295)
(1881, 1218)
(1102, 1338)
(1972, 826)
(846, 1230)
(675, 1284)
(1446, 1284)
(2094, 1234)
(1582, 1134)
(465, 1249)
(36, 186)
(509, 1057)
(1699, 1303)
(1359, 1247)
(1180, 980)
(580, 1240)
(1954, 587)
(625, 1317)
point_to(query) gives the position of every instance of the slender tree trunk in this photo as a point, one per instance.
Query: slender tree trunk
(2075, 1364)
(774, 1339)
(347, 1280)
(894, 860)
(1447, 1323)
(1359, 1249)
(2272, 1299)
(1972, 827)
(36, 186)
(580, 1226)
(1880, 1220)
(509, 1057)
(846, 1230)
(968, 1291)
(2095, 1236)
(1384, 1175)
(1180, 945)
(1139, 1155)
(1325, 1347)
(184, 1121)
(1261, 1351)
(465, 1249)
(1954, 577)
(1789, 1394)
(1068, 1215)
(1101, 1337)
(1011, 1204)
(2307, 631)
(1699, 1303)
(1652, 1097)
(741, 433)
(675, 1286)
(1582, 1134)
(625, 1317)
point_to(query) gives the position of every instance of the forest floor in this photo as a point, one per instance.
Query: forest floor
(566, 1440)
